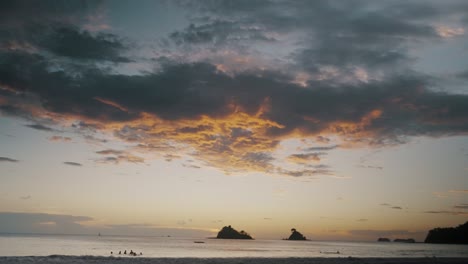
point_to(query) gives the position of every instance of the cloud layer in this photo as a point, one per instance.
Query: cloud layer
(347, 75)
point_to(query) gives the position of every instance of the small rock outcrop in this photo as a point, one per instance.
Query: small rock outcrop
(448, 235)
(295, 235)
(228, 232)
(404, 240)
(383, 239)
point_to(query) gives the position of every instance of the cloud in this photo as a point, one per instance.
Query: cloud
(170, 157)
(461, 206)
(463, 75)
(391, 206)
(28, 197)
(325, 148)
(191, 166)
(362, 220)
(305, 158)
(322, 139)
(370, 167)
(40, 127)
(71, 163)
(60, 138)
(447, 212)
(41, 223)
(358, 85)
(79, 44)
(217, 32)
(304, 173)
(118, 157)
(6, 159)
(110, 152)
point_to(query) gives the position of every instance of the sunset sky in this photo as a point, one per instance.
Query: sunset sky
(347, 120)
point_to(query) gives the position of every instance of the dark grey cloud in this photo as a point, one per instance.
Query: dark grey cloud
(391, 206)
(304, 173)
(6, 159)
(71, 163)
(447, 212)
(218, 32)
(58, 28)
(463, 75)
(343, 34)
(188, 91)
(59, 68)
(321, 148)
(14, 12)
(461, 206)
(40, 127)
(307, 157)
(74, 43)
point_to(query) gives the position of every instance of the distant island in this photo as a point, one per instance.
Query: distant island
(448, 235)
(404, 240)
(383, 239)
(296, 235)
(230, 233)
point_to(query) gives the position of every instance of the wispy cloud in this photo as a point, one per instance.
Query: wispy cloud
(447, 212)
(461, 206)
(71, 163)
(391, 206)
(6, 159)
(60, 138)
(40, 127)
(118, 157)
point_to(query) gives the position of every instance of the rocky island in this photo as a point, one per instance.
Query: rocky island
(228, 232)
(383, 239)
(296, 235)
(448, 235)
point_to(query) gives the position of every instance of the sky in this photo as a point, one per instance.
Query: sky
(346, 120)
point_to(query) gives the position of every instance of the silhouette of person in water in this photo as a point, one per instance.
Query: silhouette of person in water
(125, 252)
(120, 252)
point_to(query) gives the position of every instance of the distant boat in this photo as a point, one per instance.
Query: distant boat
(198, 242)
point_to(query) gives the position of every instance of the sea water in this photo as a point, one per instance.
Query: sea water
(44, 245)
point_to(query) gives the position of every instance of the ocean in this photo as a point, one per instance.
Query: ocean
(174, 247)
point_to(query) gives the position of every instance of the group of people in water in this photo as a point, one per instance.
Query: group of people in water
(131, 253)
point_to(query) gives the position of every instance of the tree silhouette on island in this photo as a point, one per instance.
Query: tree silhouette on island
(448, 235)
(228, 232)
(296, 235)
